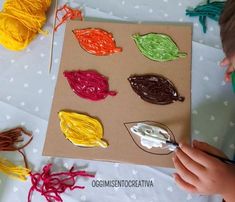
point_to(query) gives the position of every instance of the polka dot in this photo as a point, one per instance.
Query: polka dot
(165, 0)
(40, 91)
(215, 139)
(26, 85)
(212, 118)
(56, 60)
(39, 72)
(26, 67)
(179, 4)
(170, 189)
(181, 20)
(226, 103)
(231, 124)
(22, 104)
(42, 37)
(8, 117)
(136, 6)
(55, 43)
(208, 96)
(223, 83)
(196, 132)
(28, 50)
(66, 165)
(36, 109)
(53, 77)
(22, 123)
(37, 131)
(211, 29)
(123, 2)
(206, 78)
(133, 196)
(201, 41)
(189, 197)
(8, 97)
(232, 146)
(196, 24)
(83, 198)
(15, 189)
(35, 150)
(42, 55)
(194, 112)
(201, 58)
(165, 15)
(150, 10)
(11, 79)
(134, 172)
(12, 61)
(116, 188)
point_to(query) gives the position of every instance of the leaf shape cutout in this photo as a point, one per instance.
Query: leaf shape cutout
(82, 130)
(155, 89)
(96, 41)
(158, 47)
(164, 150)
(89, 84)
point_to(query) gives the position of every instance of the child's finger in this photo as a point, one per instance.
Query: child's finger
(197, 155)
(185, 174)
(189, 164)
(184, 185)
(225, 62)
(203, 146)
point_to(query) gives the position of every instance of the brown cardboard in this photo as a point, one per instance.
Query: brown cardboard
(113, 112)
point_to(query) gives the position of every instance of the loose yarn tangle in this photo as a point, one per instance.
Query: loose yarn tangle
(211, 10)
(70, 14)
(9, 141)
(13, 171)
(51, 185)
(20, 21)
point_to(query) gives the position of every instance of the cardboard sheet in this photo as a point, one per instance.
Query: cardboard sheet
(126, 107)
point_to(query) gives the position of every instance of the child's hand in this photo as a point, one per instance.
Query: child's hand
(201, 173)
(230, 64)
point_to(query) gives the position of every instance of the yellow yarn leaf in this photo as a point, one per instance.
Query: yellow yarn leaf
(13, 171)
(82, 130)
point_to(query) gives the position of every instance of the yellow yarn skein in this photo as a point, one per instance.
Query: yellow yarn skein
(13, 171)
(20, 21)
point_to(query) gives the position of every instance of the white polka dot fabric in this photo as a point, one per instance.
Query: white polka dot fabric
(27, 89)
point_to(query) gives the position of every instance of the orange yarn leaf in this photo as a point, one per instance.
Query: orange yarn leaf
(96, 41)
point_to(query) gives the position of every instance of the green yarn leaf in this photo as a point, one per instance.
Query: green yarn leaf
(158, 47)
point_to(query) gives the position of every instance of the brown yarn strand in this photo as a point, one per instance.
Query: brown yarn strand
(10, 138)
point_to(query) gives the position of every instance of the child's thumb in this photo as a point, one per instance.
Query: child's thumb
(203, 146)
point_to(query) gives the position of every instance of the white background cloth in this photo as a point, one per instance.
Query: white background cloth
(27, 89)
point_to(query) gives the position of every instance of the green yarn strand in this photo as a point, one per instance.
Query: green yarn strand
(211, 10)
